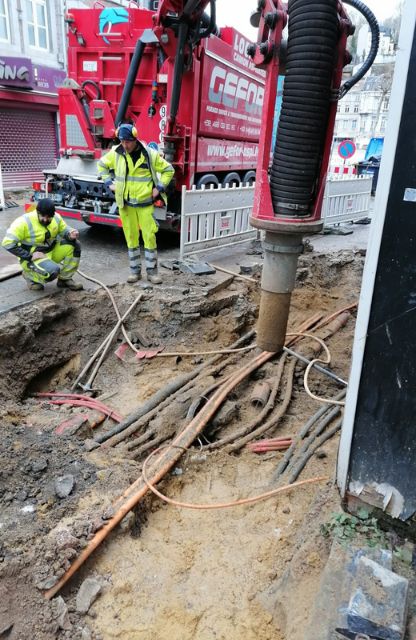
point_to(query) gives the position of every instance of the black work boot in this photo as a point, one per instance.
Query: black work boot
(134, 276)
(35, 286)
(69, 284)
(153, 276)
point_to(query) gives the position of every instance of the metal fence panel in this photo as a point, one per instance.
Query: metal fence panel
(214, 218)
(346, 199)
(219, 217)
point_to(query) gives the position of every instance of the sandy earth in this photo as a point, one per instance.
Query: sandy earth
(167, 572)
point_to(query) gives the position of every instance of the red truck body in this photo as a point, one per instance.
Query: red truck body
(216, 129)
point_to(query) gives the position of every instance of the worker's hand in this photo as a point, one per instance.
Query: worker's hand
(155, 193)
(74, 234)
(112, 187)
(38, 255)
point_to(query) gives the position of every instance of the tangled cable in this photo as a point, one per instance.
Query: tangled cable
(311, 364)
(219, 505)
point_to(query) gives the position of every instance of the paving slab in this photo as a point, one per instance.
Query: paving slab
(335, 589)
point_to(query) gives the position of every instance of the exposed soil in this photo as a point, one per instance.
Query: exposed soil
(166, 572)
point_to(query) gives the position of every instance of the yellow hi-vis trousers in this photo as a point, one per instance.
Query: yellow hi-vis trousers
(136, 220)
(60, 262)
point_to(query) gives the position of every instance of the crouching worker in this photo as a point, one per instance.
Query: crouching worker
(46, 247)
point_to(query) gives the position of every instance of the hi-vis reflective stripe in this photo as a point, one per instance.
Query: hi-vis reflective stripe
(11, 236)
(139, 179)
(133, 202)
(31, 229)
(134, 179)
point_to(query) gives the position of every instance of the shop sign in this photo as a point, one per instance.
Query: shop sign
(16, 72)
(48, 79)
(23, 74)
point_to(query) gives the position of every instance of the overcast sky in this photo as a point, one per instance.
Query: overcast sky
(236, 13)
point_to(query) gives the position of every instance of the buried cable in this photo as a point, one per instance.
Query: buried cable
(222, 505)
(318, 443)
(163, 394)
(304, 431)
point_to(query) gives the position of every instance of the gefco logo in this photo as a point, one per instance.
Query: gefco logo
(233, 91)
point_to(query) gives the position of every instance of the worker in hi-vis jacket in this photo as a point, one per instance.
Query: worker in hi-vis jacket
(46, 247)
(138, 175)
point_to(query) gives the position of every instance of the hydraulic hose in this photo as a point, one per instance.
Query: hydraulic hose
(209, 22)
(130, 80)
(311, 56)
(84, 100)
(96, 87)
(375, 40)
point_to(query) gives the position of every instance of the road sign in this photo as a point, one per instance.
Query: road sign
(346, 149)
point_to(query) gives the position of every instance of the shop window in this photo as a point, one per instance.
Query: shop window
(37, 22)
(4, 21)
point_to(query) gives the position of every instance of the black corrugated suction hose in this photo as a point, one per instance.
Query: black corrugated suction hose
(305, 106)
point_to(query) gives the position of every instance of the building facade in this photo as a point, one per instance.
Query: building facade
(32, 67)
(362, 114)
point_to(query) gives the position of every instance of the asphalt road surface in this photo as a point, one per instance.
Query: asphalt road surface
(104, 256)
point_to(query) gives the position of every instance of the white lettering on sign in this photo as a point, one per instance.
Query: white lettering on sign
(89, 65)
(13, 72)
(232, 151)
(227, 88)
(241, 56)
(241, 45)
(162, 111)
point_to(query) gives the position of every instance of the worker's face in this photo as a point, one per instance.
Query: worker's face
(128, 145)
(44, 219)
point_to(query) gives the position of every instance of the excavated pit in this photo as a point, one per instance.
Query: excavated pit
(165, 572)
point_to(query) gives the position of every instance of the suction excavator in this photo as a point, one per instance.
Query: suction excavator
(206, 99)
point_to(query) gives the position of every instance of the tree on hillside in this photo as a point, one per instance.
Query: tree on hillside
(358, 21)
(392, 24)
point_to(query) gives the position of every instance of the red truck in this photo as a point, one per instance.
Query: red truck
(192, 91)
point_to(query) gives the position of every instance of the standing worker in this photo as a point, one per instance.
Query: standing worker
(138, 175)
(46, 247)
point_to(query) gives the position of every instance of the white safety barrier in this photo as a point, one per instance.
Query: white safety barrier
(342, 170)
(215, 217)
(2, 202)
(346, 199)
(219, 217)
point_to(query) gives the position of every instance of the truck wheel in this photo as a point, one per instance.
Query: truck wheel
(249, 178)
(231, 179)
(207, 180)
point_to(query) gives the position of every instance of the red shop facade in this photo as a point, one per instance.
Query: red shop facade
(28, 120)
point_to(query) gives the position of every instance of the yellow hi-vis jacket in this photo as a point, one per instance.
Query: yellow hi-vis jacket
(135, 182)
(27, 235)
